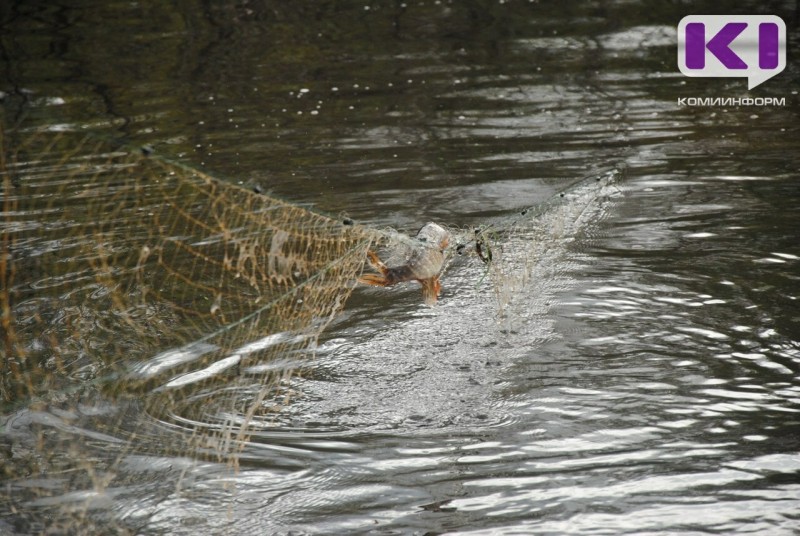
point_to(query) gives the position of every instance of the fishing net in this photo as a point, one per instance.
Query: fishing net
(150, 309)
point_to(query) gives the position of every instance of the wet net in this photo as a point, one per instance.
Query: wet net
(149, 309)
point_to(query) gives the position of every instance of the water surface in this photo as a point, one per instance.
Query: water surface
(638, 375)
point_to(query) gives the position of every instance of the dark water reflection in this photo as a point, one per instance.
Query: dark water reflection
(643, 380)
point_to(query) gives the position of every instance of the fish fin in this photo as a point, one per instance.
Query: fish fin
(377, 263)
(374, 280)
(431, 289)
(383, 279)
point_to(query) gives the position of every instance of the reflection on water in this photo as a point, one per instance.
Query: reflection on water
(641, 377)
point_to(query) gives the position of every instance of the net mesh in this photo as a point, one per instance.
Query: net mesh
(149, 308)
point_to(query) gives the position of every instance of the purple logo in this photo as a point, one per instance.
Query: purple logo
(751, 46)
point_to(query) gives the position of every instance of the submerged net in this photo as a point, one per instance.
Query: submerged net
(149, 308)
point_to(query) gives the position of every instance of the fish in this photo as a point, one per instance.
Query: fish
(424, 264)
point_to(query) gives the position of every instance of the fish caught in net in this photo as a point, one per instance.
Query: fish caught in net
(423, 263)
(148, 308)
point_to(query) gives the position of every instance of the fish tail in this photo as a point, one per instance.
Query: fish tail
(388, 276)
(375, 280)
(383, 279)
(376, 262)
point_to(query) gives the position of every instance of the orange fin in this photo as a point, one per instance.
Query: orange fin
(375, 280)
(430, 290)
(376, 262)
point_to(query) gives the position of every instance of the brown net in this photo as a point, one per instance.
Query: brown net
(145, 303)
(149, 308)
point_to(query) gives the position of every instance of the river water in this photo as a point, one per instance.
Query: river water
(641, 378)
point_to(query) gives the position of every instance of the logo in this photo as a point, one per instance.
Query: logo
(752, 46)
